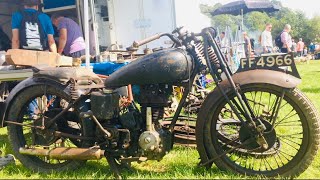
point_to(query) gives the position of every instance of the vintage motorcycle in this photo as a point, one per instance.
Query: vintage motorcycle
(255, 122)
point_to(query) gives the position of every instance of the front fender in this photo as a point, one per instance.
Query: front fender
(27, 83)
(277, 78)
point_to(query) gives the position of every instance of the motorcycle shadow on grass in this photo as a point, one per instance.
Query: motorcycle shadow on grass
(170, 167)
(100, 168)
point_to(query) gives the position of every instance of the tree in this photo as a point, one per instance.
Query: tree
(220, 21)
(313, 29)
(256, 21)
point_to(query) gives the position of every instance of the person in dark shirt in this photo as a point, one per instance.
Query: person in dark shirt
(31, 7)
(312, 48)
(247, 45)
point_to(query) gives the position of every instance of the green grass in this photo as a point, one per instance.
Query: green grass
(180, 163)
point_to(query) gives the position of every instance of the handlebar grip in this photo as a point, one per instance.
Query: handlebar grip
(147, 40)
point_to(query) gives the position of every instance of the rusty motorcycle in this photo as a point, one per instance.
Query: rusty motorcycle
(255, 122)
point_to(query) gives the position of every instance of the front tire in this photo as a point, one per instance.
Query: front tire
(296, 130)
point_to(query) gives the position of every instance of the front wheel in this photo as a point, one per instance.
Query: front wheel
(293, 136)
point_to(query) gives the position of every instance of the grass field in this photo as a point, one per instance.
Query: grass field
(180, 163)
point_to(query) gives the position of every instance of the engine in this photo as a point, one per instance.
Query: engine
(156, 141)
(134, 132)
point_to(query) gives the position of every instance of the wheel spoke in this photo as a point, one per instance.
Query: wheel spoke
(284, 138)
(292, 135)
(286, 117)
(290, 145)
(284, 153)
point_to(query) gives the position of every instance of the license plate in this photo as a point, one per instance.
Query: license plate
(272, 61)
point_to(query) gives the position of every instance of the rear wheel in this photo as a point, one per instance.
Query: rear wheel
(35, 106)
(293, 142)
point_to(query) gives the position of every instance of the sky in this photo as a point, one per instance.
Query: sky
(309, 7)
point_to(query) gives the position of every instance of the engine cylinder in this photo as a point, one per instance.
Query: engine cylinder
(104, 105)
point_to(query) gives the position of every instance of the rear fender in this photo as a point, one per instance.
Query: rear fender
(247, 77)
(27, 83)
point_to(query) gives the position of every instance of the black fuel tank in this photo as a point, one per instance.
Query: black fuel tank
(165, 66)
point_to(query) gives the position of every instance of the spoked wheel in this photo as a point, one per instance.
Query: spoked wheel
(292, 137)
(34, 107)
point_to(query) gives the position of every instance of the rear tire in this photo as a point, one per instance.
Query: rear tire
(25, 136)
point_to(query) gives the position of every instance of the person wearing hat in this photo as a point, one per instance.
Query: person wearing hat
(32, 29)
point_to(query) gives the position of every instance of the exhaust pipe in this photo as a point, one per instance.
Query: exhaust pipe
(63, 153)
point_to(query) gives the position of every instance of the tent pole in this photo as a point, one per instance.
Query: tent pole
(241, 19)
(86, 30)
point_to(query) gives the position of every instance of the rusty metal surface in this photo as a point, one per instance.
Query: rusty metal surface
(64, 74)
(65, 153)
(266, 77)
(71, 136)
(27, 125)
(165, 66)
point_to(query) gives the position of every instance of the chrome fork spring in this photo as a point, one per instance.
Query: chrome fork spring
(212, 56)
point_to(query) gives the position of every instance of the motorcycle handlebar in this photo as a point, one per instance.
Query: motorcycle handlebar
(175, 39)
(136, 44)
(147, 40)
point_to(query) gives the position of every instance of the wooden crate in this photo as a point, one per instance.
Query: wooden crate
(36, 58)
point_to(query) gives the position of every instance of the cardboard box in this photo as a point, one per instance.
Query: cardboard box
(36, 58)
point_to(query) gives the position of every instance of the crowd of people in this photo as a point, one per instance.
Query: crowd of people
(242, 46)
(283, 43)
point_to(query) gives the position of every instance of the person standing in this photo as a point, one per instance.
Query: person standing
(312, 48)
(286, 39)
(220, 38)
(32, 29)
(71, 41)
(266, 39)
(247, 45)
(300, 47)
(223, 43)
(305, 51)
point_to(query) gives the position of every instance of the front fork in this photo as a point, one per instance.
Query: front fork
(242, 107)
